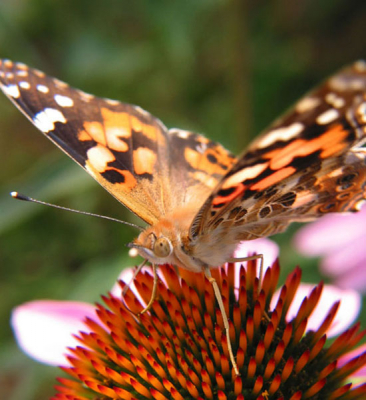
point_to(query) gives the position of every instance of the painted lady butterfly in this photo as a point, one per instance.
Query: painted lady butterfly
(198, 199)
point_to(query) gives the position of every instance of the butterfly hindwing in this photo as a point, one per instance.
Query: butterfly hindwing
(307, 163)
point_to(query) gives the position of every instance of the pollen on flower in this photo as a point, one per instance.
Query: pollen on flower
(178, 349)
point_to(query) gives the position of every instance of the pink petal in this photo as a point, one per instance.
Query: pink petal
(267, 247)
(347, 311)
(345, 257)
(361, 373)
(44, 328)
(330, 233)
(126, 276)
(264, 246)
(355, 279)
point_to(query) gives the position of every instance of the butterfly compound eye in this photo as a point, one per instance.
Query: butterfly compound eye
(162, 247)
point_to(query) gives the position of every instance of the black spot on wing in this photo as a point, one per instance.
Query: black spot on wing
(226, 192)
(345, 182)
(234, 212)
(211, 158)
(264, 211)
(241, 214)
(114, 176)
(287, 200)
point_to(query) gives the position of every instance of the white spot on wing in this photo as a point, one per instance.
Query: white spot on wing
(244, 174)
(307, 104)
(112, 102)
(39, 73)
(24, 85)
(357, 84)
(99, 157)
(22, 73)
(304, 198)
(201, 147)
(63, 101)
(180, 133)
(284, 134)
(334, 100)
(341, 84)
(85, 96)
(45, 120)
(11, 90)
(21, 65)
(327, 117)
(141, 110)
(336, 172)
(60, 84)
(42, 88)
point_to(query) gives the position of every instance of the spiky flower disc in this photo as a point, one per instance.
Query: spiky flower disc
(178, 349)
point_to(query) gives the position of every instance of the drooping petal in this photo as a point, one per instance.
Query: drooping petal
(340, 240)
(330, 233)
(345, 257)
(355, 279)
(44, 328)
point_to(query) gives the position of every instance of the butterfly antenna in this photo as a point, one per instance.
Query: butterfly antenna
(19, 196)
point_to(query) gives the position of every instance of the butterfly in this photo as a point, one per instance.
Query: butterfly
(198, 199)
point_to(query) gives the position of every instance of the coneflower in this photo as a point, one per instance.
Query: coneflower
(178, 350)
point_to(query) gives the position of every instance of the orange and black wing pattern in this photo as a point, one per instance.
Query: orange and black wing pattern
(308, 163)
(148, 168)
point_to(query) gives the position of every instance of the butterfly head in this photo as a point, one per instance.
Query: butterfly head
(155, 247)
(168, 242)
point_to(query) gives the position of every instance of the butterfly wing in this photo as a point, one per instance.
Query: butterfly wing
(308, 163)
(147, 167)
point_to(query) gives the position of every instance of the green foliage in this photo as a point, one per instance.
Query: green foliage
(224, 68)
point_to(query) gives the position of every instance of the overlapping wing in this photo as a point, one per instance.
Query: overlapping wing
(308, 163)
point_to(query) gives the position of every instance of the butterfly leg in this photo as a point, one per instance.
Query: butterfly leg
(154, 290)
(155, 286)
(224, 317)
(255, 257)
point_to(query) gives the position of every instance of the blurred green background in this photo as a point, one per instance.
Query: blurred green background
(223, 68)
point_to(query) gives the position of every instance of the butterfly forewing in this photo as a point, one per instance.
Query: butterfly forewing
(307, 163)
(127, 150)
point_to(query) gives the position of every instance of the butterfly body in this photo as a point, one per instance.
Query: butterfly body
(170, 238)
(199, 200)
(167, 241)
